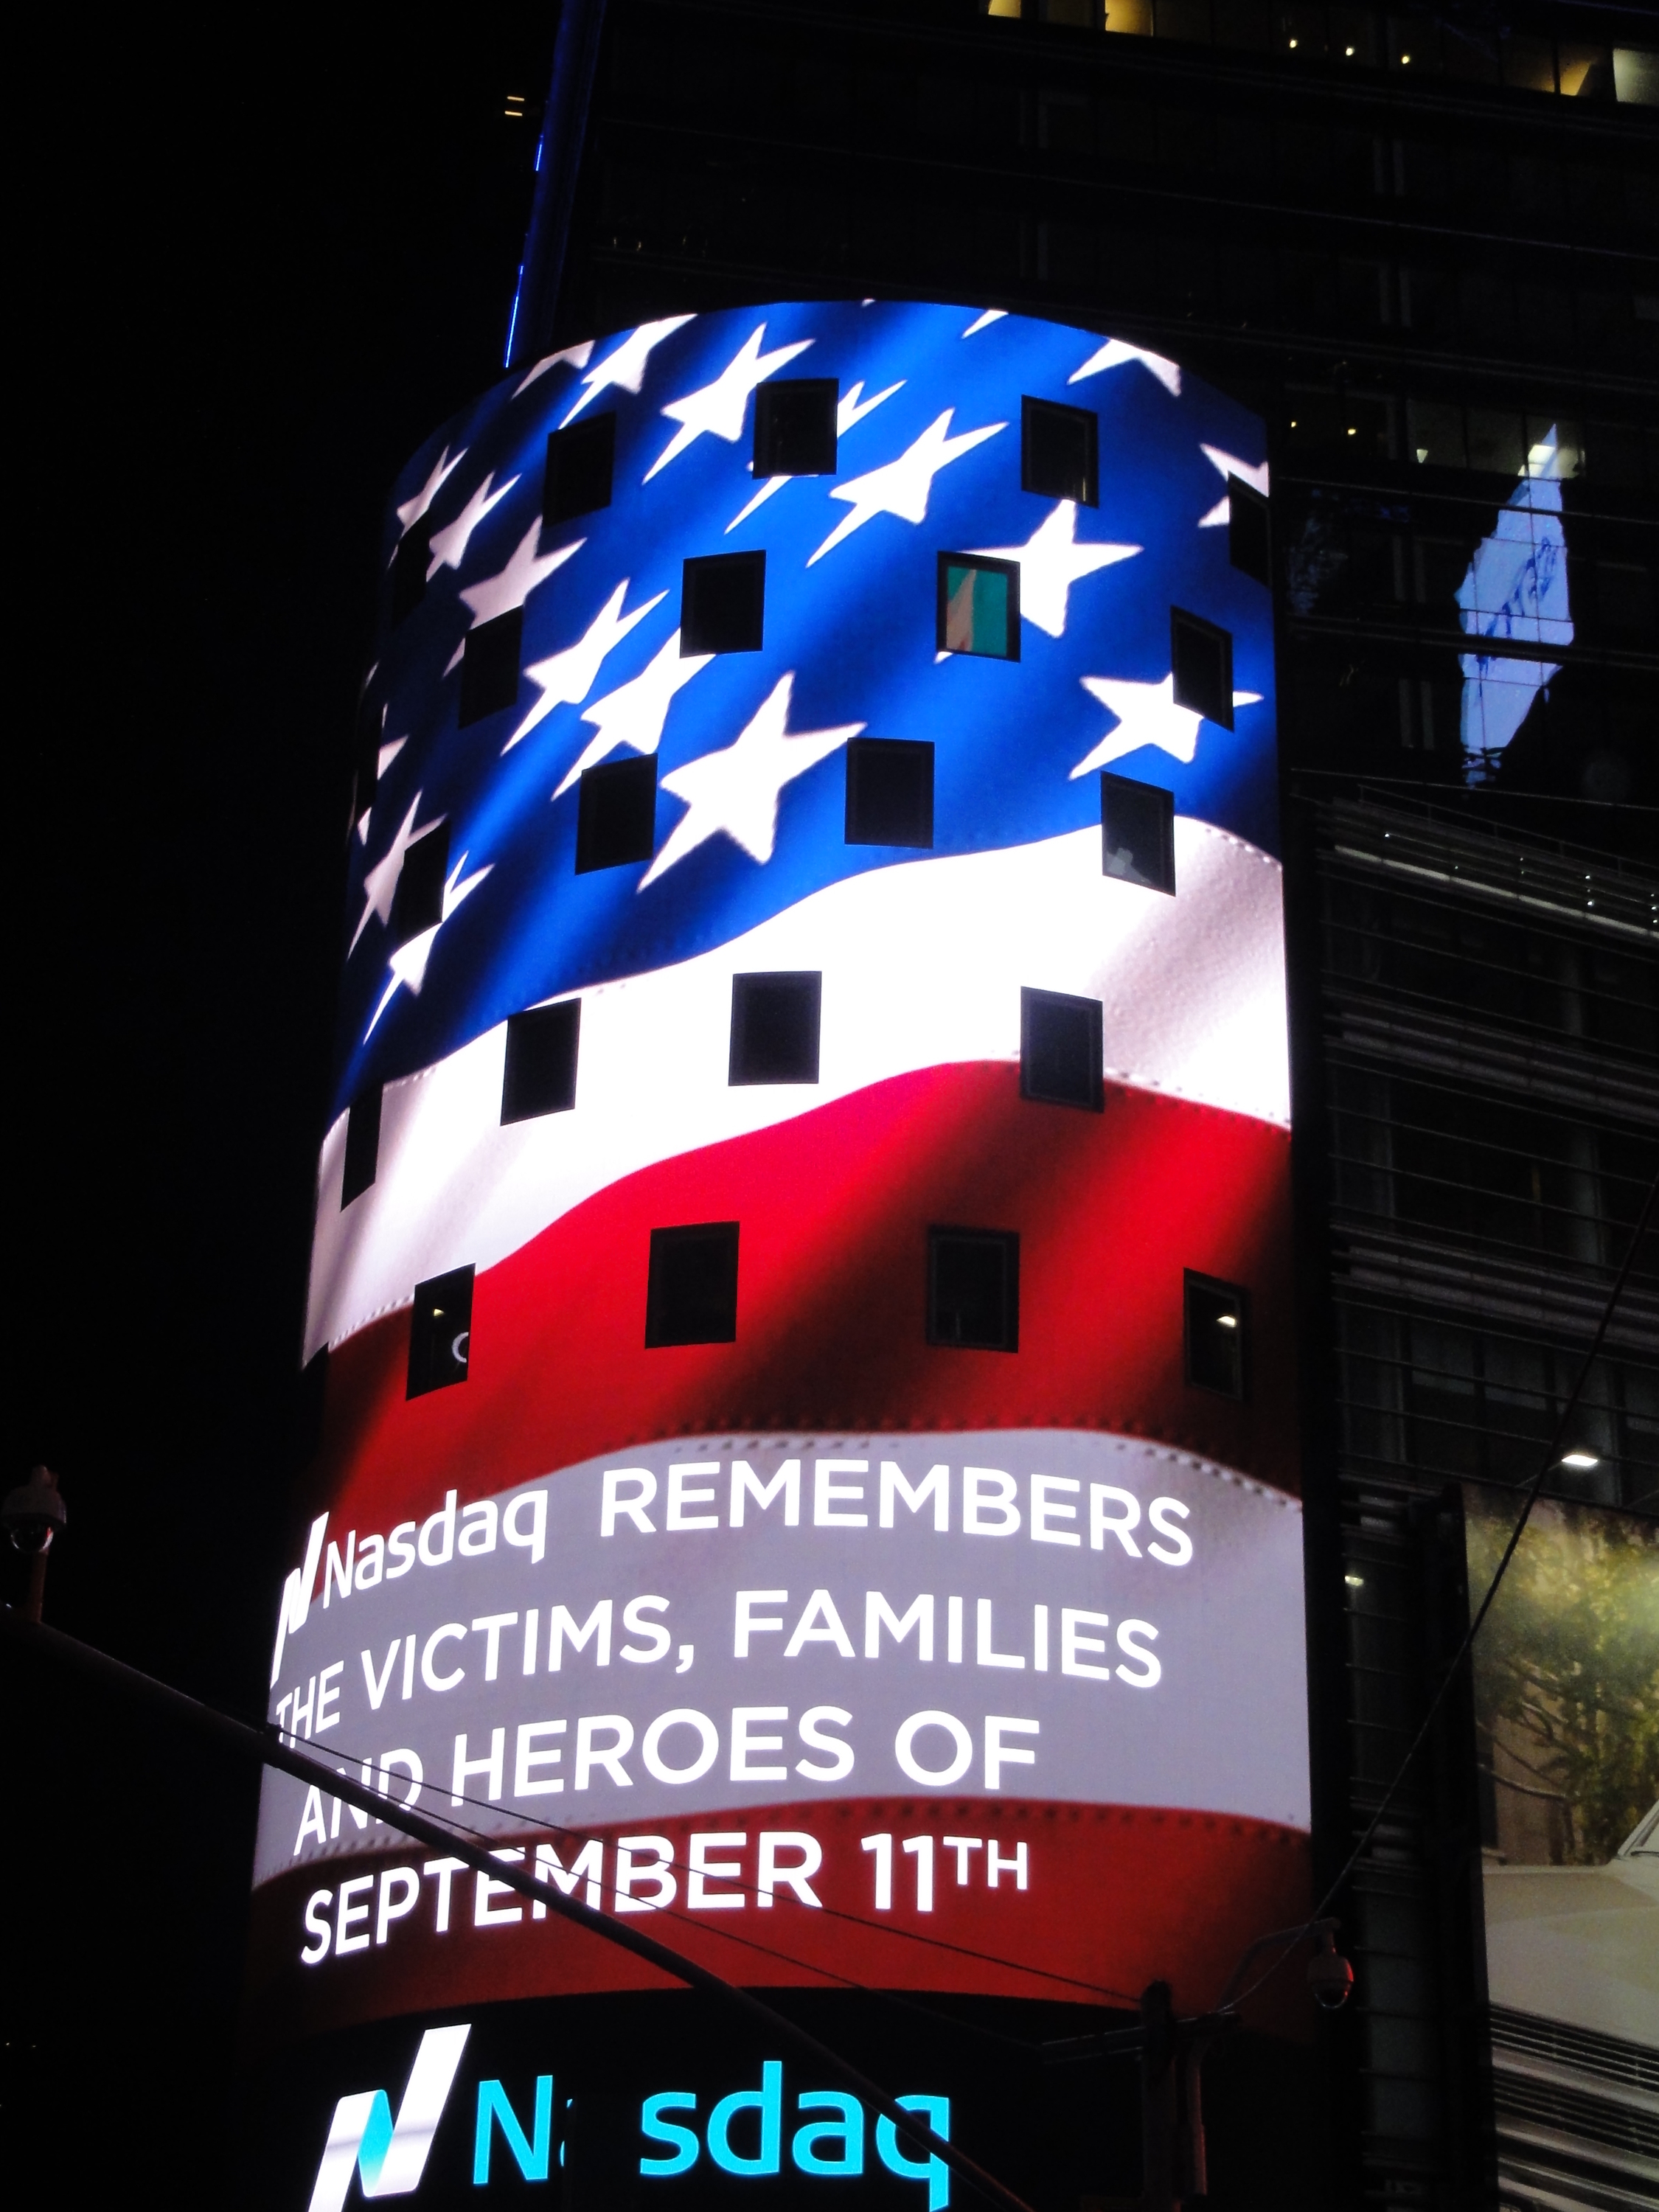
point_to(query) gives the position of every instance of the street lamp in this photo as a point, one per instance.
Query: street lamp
(32, 1516)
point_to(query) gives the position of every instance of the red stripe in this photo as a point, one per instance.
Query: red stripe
(1117, 1897)
(834, 1207)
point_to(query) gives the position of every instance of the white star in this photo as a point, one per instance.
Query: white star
(567, 678)
(901, 487)
(735, 791)
(1116, 351)
(852, 407)
(412, 509)
(380, 883)
(577, 355)
(1228, 465)
(1050, 562)
(499, 595)
(388, 754)
(984, 322)
(719, 407)
(408, 965)
(1147, 715)
(624, 366)
(449, 544)
(635, 712)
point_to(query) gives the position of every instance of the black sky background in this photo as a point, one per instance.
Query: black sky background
(256, 261)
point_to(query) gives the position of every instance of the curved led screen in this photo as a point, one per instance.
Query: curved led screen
(803, 1247)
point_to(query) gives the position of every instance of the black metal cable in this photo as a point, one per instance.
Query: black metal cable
(267, 1748)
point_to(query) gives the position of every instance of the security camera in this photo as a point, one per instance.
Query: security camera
(34, 1513)
(1330, 1975)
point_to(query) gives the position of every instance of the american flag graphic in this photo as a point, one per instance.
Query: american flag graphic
(588, 847)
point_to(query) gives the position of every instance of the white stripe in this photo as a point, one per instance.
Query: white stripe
(922, 965)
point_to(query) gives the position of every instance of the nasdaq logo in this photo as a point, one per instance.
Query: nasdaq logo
(390, 2155)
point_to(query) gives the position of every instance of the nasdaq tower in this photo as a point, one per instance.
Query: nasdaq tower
(1045, 598)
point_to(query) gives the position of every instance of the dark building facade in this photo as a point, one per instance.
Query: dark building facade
(1422, 246)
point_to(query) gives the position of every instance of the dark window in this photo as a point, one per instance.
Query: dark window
(1059, 451)
(490, 666)
(1249, 546)
(723, 604)
(408, 566)
(1202, 659)
(1061, 1052)
(441, 1332)
(890, 792)
(979, 605)
(539, 1076)
(418, 902)
(1218, 1336)
(1137, 832)
(617, 814)
(371, 728)
(362, 1145)
(578, 465)
(795, 426)
(775, 1028)
(692, 1294)
(973, 1289)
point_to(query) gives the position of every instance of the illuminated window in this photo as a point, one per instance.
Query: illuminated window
(1218, 1336)
(1201, 662)
(723, 604)
(979, 605)
(417, 904)
(775, 1028)
(1059, 452)
(408, 566)
(490, 666)
(795, 426)
(691, 1295)
(441, 1332)
(617, 814)
(1249, 547)
(973, 1289)
(1137, 832)
(1062, 1054)
(890, 792)
(539, 1074)
(580, 462)
(362, 1145)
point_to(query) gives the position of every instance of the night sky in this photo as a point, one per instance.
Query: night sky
(251, 269)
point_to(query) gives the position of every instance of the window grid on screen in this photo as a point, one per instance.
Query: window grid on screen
(440, 1333)
(978, 610)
